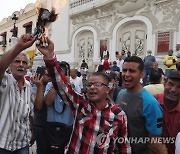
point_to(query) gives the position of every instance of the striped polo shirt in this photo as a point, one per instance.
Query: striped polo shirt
(15, 108)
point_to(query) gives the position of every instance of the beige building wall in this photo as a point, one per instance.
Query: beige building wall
(24, 16)
(86, 27)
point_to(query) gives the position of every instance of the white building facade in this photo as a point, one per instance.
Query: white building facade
(87, 27)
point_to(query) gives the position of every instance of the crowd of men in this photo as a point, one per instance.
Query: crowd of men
(117, 109)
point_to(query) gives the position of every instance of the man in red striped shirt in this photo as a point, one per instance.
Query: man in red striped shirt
(100, 125)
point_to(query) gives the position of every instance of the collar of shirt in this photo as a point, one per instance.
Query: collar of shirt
(175, 109)
(25, 81)
(108, 105)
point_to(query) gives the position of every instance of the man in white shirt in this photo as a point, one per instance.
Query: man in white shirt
(75, 80)
(120, 62)
(16, 101)
(177, 51)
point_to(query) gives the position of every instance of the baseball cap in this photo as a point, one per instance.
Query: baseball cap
(174, 75)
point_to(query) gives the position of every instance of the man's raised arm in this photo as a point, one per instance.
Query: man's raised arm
(24, 42)
(59, 80)
(48, 51)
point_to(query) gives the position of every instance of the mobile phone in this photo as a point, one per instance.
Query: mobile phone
(174, 60)
(41, 71)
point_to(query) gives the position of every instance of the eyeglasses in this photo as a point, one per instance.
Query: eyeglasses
(96, 84)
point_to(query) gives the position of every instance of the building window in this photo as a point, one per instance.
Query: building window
(28, 27)
(3, 41)
(163, 42)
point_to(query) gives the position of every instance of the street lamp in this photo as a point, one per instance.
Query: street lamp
(14, 18)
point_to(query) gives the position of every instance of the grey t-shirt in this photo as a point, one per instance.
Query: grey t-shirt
(148, 61)
(144, 116)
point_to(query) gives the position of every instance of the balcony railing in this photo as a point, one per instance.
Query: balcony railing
(79, 2)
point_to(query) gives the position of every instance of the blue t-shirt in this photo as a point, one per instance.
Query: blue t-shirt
(144, 115)
(58, 111)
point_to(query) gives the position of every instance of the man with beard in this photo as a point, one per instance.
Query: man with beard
(170, 102)
(98, 121)
(143, 112)
(16, 100)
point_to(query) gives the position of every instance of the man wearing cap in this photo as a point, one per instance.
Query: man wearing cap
(170, 102)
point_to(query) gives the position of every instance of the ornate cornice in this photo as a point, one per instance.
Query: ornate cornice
(160, 2)
(84, 17)
(96, 12)
(164, 14)
(168, 10)
(122, 2)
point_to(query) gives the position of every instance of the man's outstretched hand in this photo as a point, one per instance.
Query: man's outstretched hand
(25, 41)
(48, 51)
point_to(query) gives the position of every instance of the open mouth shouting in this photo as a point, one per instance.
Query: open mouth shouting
(92, 94)
(127, 81)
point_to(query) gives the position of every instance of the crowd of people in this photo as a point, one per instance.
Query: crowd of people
(122, 108)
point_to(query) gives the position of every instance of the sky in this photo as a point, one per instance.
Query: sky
(8, 7)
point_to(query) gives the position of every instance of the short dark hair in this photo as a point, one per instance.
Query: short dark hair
(65, 67)
(103, 75)
(117, 52)
(100, 68)
(135, 59)
(114, 62)
(155, 77)
(112, 75)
